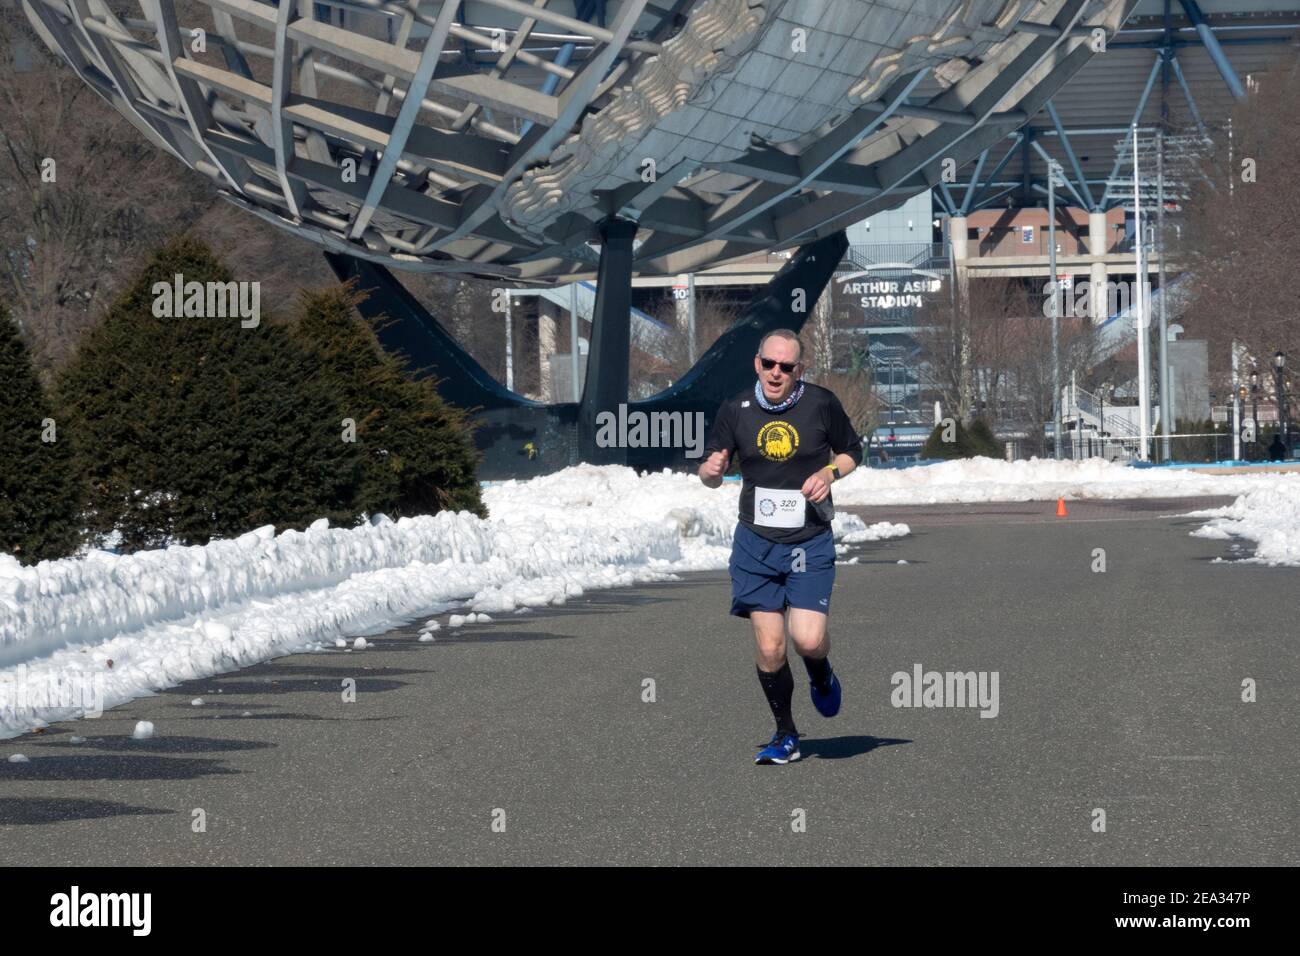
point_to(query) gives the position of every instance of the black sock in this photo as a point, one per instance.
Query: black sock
(779, 689)
(819, 671)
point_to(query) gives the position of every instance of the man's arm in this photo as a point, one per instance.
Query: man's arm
(844, 438)
(846, 444)
(719, 448)
(845, 463)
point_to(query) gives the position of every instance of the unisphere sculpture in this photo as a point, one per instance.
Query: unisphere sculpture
(492, 137)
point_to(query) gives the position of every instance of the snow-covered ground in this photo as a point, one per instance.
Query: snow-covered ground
(1269, 517)
(987, 479)
(84, 634)
(1267, 511)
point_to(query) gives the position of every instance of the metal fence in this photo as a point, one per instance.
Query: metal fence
(1192, 447)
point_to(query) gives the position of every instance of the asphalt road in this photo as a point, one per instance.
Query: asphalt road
(1118, 691)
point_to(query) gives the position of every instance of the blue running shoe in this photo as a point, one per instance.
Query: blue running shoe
(782, 748)
(827, 701)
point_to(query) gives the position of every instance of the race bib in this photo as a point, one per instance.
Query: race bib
(774, 508)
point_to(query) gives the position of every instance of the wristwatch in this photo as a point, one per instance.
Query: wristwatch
(835, 472)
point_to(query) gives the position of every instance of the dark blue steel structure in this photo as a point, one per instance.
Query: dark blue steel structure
(520, 438)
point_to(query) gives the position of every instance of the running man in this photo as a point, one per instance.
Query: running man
(792, 440)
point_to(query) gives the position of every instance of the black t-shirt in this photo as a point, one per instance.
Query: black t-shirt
(780, 450)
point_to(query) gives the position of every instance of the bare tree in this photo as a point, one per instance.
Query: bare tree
(1240, 224)
(966, 340)
(656, 366)
(80, 192)
(84, 196)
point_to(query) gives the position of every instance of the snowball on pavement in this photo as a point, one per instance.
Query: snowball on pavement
(143, 730)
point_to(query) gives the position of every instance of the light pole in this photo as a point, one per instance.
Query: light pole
(1214, 426)
(1101, 422)
(510, 347)
(1279, 368)
(573, 340)
(1168, 425)
(1254, 397)
(1236, 404)
(1052, 170)
(690, 318)
(1241, 404)
(1143, 315)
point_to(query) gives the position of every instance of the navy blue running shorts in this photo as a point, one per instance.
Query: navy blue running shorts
(763, 576)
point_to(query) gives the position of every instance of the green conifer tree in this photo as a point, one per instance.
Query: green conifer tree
(417, 451)
(39, 508)
(190, 428)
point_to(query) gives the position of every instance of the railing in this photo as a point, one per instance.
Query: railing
(915, 254)
(1088, 403)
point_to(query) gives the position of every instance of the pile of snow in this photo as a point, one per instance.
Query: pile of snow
(1270, 517)
(977, 480)
(88, 633)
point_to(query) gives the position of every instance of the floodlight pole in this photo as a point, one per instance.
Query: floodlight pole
(1056, 310)
(510, 343)
(1143, 343)
(1236, 404)
(1166, 389)
(690, 317)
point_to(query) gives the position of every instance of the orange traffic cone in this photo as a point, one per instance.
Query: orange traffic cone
(1060, 508)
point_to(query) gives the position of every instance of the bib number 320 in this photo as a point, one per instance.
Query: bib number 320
(776, 508)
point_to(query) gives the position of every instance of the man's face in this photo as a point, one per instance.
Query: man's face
(776, 382)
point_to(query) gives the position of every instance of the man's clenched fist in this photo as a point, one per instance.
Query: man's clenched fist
(715, 465)
(817, 487)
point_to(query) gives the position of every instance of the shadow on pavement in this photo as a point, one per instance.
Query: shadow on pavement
(164, 744)
(308, 685)
(112, 767)
(308, 668)
(462, 636)
(838, 748)
(29, 811)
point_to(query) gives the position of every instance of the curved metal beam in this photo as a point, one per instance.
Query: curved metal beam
(419, 85)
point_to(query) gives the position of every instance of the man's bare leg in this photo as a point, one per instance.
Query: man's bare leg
(809, 632)
(812, 640)
(773, 669)
(769, 639)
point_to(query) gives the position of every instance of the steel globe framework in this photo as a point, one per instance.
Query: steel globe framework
(495, 137)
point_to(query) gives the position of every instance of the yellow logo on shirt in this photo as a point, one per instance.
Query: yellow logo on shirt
(777, 441)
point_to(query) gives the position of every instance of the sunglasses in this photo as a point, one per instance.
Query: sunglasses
(787, 367)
